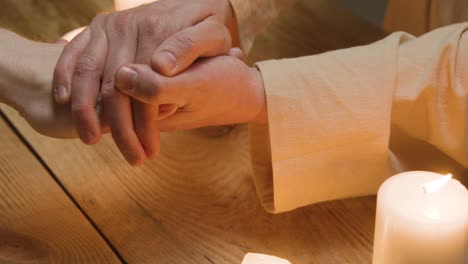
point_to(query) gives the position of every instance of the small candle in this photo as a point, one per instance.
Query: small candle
(254, 258)
(422, 217)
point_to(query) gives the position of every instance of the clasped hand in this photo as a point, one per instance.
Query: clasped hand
(163, 66)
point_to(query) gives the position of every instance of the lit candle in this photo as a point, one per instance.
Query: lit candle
(254, 258)
(422, 217)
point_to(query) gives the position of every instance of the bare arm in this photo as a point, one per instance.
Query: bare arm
(26, 70)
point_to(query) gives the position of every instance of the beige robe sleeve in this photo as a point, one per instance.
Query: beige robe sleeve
(330, 115)
(255, 15)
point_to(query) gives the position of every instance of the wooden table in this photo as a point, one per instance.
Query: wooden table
(64, 202)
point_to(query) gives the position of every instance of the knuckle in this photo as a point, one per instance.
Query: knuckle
(150, 24)
(184, 41)
(221, 33)
(86, 64)
(119, 23)
(73, 46)
(107, 82)
(108, 92)
(81, 109)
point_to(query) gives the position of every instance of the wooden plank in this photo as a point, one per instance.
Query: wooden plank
(312, 27)
(38, 222)
(196, 203)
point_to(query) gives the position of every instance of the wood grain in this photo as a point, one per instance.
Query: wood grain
(196, 203)
(38, 222)
(312, 27)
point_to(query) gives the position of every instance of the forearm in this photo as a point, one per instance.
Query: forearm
(24, 63)
(10, 67)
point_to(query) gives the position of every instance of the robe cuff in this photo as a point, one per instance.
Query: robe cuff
(328, 131)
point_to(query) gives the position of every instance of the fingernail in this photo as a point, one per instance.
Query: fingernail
(126, 79)
(167, 61)
(61, 94)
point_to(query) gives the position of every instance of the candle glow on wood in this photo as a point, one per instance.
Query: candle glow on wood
(254, 258)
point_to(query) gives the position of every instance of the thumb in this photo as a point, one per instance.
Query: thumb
(145, 85)
(205, 39)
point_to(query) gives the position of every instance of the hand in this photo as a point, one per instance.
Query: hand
(174, 32)
(214, 91)
(26, 70)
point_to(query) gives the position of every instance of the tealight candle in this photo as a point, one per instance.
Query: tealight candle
(255, 258)
(422, 217)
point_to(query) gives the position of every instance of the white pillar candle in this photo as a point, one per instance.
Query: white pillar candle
(127, 4)
(255, 258)
(422, 217)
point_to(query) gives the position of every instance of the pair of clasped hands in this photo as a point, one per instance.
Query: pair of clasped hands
(164, 66)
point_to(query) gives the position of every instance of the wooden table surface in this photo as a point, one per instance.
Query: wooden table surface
(64, 202)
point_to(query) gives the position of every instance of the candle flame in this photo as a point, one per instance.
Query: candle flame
(435, 185)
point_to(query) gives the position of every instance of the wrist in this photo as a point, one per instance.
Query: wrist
(259, 114)
(24, 64)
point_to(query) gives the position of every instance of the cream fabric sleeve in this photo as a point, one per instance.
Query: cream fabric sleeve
(255, 15)
(330, 115)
